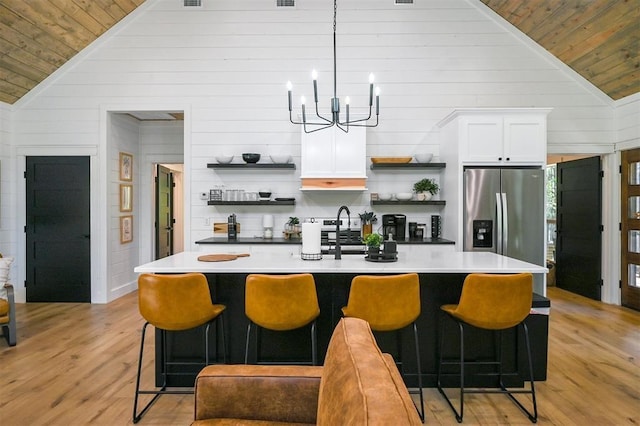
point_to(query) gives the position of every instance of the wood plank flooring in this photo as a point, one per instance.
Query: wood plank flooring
(75, 365)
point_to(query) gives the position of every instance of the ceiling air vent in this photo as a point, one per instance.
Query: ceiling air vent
(404, 1)
(285, 3)
(192, 3)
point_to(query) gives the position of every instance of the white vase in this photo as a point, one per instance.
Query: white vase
(426, 196)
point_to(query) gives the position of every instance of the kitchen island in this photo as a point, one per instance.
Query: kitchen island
(441, 275)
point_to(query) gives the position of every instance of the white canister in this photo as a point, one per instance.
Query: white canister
(267, 225)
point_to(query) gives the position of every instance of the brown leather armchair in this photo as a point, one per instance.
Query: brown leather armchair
(357, 385)
(8, 316)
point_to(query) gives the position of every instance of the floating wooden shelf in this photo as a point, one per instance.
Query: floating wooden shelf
(408, 203)
(251, 166)
(408, 166)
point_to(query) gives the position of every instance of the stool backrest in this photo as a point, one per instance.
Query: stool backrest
(281, 302)
(174, 302)
(494, 301)
(386, 302)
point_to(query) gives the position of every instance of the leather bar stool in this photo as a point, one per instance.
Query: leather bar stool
(174, 303)
(8, 316)
(490, 302)
(389, 303)
(281, 303)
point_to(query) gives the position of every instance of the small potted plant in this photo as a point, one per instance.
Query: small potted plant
(373, 242)
(293, 224)
(367, 219)
(425, 189)
(292, 229)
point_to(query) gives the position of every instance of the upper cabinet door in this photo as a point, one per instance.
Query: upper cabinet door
(481, 139)
(332, 153)
(503, 139)
(525, 139)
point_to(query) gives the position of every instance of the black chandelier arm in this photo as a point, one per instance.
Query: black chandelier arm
(307, 122)
(321, 117)
(321, 126)
(349, 122)
(355, 123)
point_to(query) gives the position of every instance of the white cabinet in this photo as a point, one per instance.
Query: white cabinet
(504, 137)
(333, 159)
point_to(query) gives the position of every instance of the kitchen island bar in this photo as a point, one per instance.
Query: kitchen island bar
(441, 276)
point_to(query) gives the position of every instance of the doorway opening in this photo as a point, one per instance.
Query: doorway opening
(169, 210)
(574, 223)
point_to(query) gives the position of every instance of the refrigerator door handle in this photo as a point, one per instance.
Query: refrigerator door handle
(505, 224)
(499, 236)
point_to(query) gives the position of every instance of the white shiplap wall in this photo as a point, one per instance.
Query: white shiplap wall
(123, 136)
(227, 64)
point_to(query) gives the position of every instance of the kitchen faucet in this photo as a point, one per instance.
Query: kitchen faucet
(338, 248)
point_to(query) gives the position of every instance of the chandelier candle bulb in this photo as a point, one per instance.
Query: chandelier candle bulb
(304, 117)
(314, 77)
(346, 102)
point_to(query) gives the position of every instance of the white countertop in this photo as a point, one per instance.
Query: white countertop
(410, 261)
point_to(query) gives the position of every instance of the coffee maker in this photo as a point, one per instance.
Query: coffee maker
(394, 225)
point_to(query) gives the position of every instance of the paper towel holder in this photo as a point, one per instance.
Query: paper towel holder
(310, 256)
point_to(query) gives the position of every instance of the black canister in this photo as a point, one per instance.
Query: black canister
(232, 233)
(435, 226)
(412, 230)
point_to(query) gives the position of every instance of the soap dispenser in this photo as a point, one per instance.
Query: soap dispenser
(390, 247)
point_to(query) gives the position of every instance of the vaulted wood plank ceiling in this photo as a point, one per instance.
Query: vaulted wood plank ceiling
(599, 39)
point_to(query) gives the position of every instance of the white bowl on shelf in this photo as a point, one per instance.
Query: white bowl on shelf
(383, 196)
(404, 196)
(424, 157)
(224, 159)
(280, 158)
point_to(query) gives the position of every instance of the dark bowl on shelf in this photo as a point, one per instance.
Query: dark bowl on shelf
(250, 157)
(264, 195)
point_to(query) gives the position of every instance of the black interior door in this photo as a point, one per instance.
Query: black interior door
(58, 257)
(579, 227)
(164, 212)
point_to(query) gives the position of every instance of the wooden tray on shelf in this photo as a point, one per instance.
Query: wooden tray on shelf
(390, 160)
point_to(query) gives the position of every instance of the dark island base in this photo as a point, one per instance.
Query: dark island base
(333, 291)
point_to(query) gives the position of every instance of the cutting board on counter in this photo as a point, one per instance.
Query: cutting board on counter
(221, 228)
(220, 257)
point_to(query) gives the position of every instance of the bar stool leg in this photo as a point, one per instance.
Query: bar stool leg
(459, 414)
(246, 346)
(533, 417)
(314, 344)
(419, 367)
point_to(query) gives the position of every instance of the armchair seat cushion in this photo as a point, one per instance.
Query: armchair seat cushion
(4, 311)
(279, 393)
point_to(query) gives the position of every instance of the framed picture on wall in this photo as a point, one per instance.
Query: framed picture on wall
(126, 167)
(126, 229)
(126, 197)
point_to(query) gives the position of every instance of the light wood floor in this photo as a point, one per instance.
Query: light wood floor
(75, 364)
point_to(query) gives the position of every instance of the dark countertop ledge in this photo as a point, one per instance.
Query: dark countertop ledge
(256, 240)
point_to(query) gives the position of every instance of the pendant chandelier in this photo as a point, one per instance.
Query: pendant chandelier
(321, 123)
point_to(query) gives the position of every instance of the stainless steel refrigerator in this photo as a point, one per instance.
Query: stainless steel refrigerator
(504, 213)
